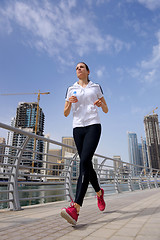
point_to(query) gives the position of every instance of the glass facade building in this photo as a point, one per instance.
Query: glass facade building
(133, 148)
(144, 152)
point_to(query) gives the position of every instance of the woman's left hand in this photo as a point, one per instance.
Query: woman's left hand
(98, 103)
(101, 103)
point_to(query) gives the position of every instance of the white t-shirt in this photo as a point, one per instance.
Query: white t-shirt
(84, 111)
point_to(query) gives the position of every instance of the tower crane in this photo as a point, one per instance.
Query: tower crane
(153, 111)
(37, 116)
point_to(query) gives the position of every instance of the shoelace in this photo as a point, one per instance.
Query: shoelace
(72, 204)
(100, 199)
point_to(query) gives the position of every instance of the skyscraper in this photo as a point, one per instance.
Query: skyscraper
(153, 140)
(144, 153)
(133, 148)
(140, 160)
(26, 120)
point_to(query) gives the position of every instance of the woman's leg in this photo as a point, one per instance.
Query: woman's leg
(86, 145)
(79, 134)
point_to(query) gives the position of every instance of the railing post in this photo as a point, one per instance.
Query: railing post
(100, 170)
(68, 183)
(148, 179)
(45, 165)
(116, 182)
(155, 179)
(130, 180)
(14, 204)
(140, 180)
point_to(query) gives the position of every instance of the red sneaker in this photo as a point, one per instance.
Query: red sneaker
(101, 202)
(70, 214)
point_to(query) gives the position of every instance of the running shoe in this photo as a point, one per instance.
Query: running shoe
(101, 202)
(70, 214)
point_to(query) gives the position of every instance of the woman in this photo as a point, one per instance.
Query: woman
(84, 97)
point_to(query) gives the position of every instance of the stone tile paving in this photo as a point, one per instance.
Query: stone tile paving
(128, 216)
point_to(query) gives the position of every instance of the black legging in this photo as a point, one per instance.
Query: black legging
(86, 140)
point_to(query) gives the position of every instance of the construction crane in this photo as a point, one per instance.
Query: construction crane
(152, 111)
(37, 116)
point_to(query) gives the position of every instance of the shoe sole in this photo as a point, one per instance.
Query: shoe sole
(67, 217)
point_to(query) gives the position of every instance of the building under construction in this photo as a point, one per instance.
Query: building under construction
(151, 125)
(26, 117)
(26, 120)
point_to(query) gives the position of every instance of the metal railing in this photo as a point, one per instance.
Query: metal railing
(31, 177)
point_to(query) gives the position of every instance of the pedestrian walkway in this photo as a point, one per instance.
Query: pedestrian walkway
(128, 216)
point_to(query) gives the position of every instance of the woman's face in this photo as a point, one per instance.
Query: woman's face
(82, 72)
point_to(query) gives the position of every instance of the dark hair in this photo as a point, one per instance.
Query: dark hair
(85, 65)
(86, 68)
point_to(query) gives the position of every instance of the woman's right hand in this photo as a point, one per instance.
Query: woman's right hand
(73, 99)
(68, 104)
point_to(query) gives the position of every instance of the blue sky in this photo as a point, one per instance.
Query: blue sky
(42, 41)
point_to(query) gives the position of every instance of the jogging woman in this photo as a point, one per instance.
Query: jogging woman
(84, 97)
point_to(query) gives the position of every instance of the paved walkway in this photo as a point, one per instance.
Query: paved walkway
(128, 216)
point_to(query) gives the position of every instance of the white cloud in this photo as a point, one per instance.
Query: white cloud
(148, 70)
(60, 30)
(100, 72)
(150, 67)
(139, 27)
(101, 1)
(154, 61)
(97, 2)
(150, 4)
(150, 76)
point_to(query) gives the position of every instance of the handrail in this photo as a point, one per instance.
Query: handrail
(55, 178)
(32, 135)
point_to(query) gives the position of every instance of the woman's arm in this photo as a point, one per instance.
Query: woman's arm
(67, 108)
(68, 105)
(102, 103)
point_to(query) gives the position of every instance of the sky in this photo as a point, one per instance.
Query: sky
(42, 41)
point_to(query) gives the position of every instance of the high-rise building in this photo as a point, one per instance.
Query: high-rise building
(144, 153)
(9, 142)
(153, 140)
(26, 117)
(140, 160)
(54, 162)
(2, 149)
(117, 163)
(133, 148)
(68, 141)
(26, 120)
